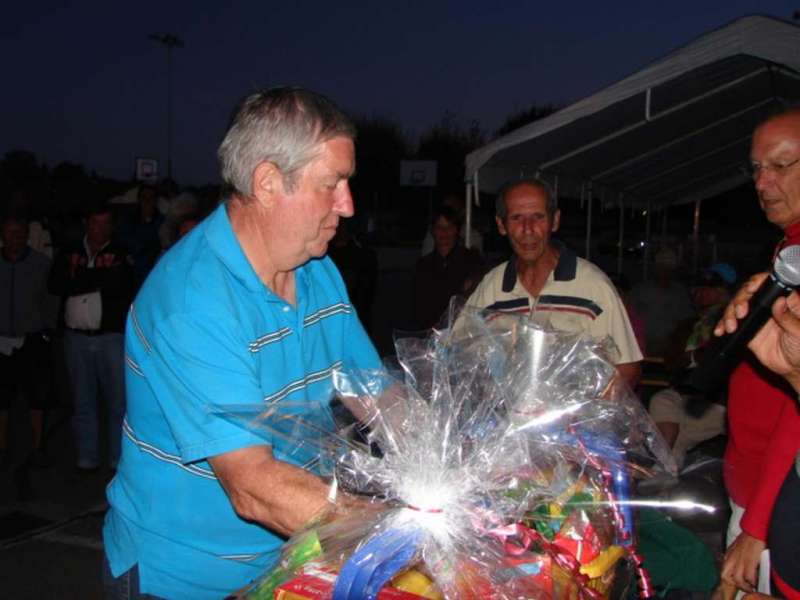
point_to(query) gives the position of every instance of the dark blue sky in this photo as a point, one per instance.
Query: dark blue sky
(84, 84)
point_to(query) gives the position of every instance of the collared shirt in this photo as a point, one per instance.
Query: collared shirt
(577, 297)
(206, 336)
(85, 311)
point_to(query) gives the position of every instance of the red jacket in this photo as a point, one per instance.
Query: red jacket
(763, 435)
(763, 439)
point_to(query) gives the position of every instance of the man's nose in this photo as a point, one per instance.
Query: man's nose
(344, 202)
(527, 224)
(763, 178)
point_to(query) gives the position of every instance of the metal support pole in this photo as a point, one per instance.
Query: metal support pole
(468, 224)
(696, 237)
(170, 41)
(589, 222)
(555, 189)
(621, 238)
(647, 241)
(169, 112)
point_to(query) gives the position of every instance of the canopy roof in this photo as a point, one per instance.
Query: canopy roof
(676, 131)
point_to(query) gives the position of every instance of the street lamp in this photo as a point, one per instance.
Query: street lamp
(170, 41)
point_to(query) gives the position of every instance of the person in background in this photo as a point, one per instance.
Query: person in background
(763, 419)
(141, 236)
(663, 302)
(623, 286)
(188, 223)
(27, 316)
(546, 278)
(39, 237)
(358, 265)
(95, 281)
(457, 204)
(448, 270)
(684, 427)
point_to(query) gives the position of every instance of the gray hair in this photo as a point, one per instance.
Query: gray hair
(551, 204)
(283, 126)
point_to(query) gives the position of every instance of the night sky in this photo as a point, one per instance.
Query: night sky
(83, 83)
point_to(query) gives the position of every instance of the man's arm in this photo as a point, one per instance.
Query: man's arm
(630, 372)
(280, 496)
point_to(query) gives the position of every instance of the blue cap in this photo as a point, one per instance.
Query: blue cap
(720, 273)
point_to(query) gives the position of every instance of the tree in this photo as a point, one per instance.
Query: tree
(448, 142)
(525, 117)
(380, 147)
(20, 167)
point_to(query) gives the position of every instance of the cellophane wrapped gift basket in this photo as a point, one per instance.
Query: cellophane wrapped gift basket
(495, 461)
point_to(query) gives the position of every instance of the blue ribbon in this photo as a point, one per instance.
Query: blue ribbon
(376, 563)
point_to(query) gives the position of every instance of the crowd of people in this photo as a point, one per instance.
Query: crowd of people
(66, 307)
(265, 297)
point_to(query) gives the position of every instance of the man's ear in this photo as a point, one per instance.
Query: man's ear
(556, 221)
(267, 182)
(500, 226)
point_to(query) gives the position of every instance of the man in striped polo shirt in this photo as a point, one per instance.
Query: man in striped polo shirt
(244, 310)
(547, 279)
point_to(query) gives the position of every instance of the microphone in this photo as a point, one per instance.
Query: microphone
(722, 354)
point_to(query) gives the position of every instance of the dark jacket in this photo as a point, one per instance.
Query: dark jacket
(437, 280)
(112, 276)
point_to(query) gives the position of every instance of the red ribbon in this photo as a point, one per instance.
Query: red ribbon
(425, 510)
(643, 577)
(645, 584)
(563, 558)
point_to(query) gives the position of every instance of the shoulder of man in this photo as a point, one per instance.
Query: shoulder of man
(489, 287)
(586, 268)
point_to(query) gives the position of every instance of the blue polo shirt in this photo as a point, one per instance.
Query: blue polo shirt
(205, 332)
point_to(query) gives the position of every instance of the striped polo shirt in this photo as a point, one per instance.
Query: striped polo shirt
(576, 297)
(205, 336)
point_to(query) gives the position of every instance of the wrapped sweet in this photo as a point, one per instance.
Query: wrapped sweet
(494, 462)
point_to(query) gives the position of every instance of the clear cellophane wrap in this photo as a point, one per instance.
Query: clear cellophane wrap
(494, 459)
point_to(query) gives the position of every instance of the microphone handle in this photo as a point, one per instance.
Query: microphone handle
(721, 355)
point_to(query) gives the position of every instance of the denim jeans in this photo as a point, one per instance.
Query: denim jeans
(124, 587)
(96, 363)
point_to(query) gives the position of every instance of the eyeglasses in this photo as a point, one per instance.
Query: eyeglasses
(755, 170)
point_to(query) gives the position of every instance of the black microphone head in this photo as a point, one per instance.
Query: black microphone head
(787, 266)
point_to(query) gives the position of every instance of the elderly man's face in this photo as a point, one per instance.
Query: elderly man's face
(776, 144)
(322, 196)
(527, 224)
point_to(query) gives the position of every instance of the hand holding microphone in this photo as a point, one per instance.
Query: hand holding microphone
(745, 316)
(777, 344)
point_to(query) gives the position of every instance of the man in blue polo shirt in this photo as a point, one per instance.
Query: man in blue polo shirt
(244, 309)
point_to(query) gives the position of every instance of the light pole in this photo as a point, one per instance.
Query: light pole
(170, 41)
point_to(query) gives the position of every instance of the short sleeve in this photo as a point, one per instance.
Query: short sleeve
(200, 367)
(615, 323)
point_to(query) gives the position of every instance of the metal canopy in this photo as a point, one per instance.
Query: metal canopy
(677, 131)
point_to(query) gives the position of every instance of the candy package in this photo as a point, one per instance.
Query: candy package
(494, 459)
